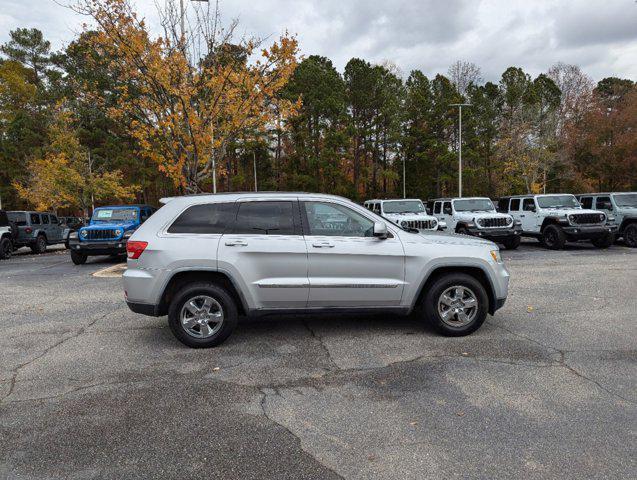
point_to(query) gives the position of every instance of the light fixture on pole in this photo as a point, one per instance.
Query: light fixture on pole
(460, 105)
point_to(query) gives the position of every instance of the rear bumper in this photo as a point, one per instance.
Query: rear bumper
(144, 308)
(115, 247)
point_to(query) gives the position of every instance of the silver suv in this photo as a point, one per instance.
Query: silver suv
(621, 210)
(206, 259)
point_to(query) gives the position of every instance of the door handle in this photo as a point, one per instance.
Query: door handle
(323, 245)
(236, 243)
(521, 216)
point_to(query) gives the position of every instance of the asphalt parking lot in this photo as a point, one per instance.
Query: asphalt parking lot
(547, 388)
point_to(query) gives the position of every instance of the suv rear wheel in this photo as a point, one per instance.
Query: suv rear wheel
(6, 248)
(202, 315)
(456, 304)
(553, 237)
(40, 245)
(630, 235)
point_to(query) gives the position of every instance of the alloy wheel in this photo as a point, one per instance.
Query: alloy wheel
(458, 306)
(201, 316)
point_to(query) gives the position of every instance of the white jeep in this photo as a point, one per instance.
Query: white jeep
(406, 213)
(555, 219)
(477, 216)
(621, 209)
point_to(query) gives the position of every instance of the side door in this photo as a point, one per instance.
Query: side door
(266, 253)
(529, 217)
(56, 229)
(347, 265)
(447, 215)
(46, 227)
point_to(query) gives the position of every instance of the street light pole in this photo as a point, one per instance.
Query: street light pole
(460, 105)
(254, 166)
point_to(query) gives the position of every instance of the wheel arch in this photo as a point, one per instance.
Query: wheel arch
(476, 272)
(549, 221)
(181, 278)
(626, 222)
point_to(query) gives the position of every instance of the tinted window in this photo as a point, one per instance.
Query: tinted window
(265, 218)
(206, 218)
(45, 219)
(330, 219)
(35, 219)
(515, 204)
(503, 205)
(446, 208)
(18, 218)
(377, 208)
(587, 202)
(528, 205)
(437, 207)
(54, 219)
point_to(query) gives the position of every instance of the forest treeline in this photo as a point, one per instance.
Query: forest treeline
(123, 115)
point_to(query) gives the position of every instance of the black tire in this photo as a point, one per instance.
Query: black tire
(40, 245)
(6, 248)
(630, 235)
(78, 258)
(191, 291)
(553, 237)
(433, 297)
(605, 241)
(512, 243)
(463, 231)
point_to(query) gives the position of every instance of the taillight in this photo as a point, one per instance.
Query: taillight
(134, 249)
(28, 230)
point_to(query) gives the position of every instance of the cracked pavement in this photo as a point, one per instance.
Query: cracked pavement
(545, 389)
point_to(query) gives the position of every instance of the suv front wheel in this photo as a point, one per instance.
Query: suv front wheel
(456, 304)
(39, 246)
(553, 237)
(202, 315)
(630, 235)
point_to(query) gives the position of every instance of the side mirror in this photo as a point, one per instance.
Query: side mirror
(380, 230)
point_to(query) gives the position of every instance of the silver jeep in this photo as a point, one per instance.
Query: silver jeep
(621, 210)
(206, 259)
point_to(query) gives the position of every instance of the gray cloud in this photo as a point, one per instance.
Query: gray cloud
(598, 35)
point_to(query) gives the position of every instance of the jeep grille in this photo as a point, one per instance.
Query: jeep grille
(493, 222)
(420, 224)
(585, 218)
(101, 234)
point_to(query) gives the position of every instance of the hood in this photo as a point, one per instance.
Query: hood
(444, 238)
(476, 215)
(111, 226)
(568, 211)
(398, 217)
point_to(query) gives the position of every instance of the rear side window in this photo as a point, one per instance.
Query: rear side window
(515, 204)
(35, 219)
(206, 218)
(45, 219)
(18, 218)
(437, 207)
(602, 203)
(265, 218)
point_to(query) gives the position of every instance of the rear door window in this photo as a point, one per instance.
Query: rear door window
(602, 203)
(45, 219)
(35, 219)
(437, 207)
(205, 219)
(515, 205)
(265, 218)
(528, 205)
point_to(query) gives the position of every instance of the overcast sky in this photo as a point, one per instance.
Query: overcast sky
(598, 35)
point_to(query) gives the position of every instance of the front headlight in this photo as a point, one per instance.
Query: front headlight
(495, 254)
(571, 218)
(118, 232)
(602, 217)
(403, 223)
(481, 222)
(83, 233)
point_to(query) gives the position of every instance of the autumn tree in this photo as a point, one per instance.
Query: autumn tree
(186, 95)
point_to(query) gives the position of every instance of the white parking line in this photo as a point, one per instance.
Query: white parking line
(111, 272)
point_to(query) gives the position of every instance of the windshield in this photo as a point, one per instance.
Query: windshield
(558, 201)
(403, 206)
(626, 200)
(114, 215)
(19, 218)
(474, 205)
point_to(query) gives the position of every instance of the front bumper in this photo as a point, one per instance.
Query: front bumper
(496, 234)
(114, 247)
(588, 232)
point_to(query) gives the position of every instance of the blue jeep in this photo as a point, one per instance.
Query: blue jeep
(108, 231)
